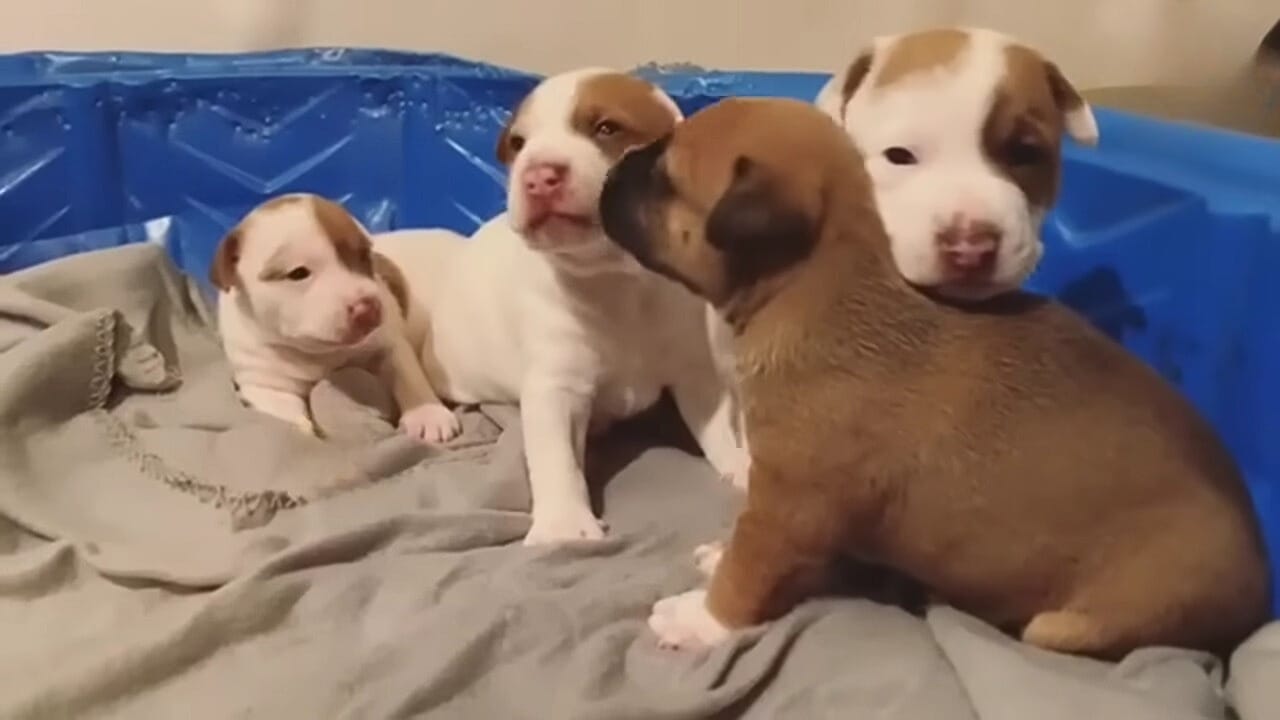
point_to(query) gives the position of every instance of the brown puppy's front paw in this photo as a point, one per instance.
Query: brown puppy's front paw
(683, 622)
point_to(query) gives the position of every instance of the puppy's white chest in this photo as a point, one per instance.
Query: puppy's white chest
(631, 358)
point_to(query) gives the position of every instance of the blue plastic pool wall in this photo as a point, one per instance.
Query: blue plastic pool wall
(1165, 236)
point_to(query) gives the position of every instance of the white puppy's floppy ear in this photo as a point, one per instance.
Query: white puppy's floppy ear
(835, 95)
(223, 272)
(1077, 116)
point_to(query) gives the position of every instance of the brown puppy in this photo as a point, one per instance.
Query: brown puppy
(1014, 460)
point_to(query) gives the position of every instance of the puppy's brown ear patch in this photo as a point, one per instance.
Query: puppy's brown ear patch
(509, 141)
(385, 269)
(756, 228)
(839, 90)
(1076, 114)
(222, 273)
(349, 240)
(854, 76)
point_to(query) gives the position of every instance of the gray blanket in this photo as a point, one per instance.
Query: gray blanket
(166, 552)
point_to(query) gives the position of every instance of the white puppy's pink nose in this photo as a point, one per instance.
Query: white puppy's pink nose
(365, 314)
(544, 180)
(969, 247)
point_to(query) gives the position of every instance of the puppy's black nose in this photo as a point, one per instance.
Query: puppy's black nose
(627, 189)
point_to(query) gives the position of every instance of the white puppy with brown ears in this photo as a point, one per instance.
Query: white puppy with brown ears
(301, 294)
(961, 130)
(540, 308)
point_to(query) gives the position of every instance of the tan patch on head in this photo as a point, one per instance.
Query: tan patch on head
(1022, 136)
(919, 52)
(223, 273)
(618, 112)
(385, 269)
(349, 240)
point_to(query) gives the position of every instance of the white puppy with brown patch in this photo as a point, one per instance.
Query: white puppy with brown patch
(301, 294)
(961, 130)
(539, 308)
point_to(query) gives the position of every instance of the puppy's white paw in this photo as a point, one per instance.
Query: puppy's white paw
(683, 622)
(707, 556)
(431, 422)
(563, 524)
(306, 427)
(735, 467)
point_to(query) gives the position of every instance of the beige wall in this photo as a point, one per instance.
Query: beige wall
(1099, 42)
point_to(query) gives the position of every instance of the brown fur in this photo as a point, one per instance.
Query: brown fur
(853, 77)
(1023, 133)
(509, 142)
(919, 52)
(613, 110)
(350, 242)
(1012, 459)
(385, 269)
(618, 112)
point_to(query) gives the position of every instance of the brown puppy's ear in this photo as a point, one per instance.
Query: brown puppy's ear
(755, 227)
(222, 273)
(1076, 114)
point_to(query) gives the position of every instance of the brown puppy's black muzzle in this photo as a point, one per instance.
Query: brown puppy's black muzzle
(628, 198)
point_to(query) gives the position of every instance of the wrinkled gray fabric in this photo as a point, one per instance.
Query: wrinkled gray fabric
(144, 575)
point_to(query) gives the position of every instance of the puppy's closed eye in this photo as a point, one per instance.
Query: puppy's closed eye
(294, 274)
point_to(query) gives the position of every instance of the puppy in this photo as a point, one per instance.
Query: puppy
(1013, 460)
(539, 308)
(961, 131)
(301, 294)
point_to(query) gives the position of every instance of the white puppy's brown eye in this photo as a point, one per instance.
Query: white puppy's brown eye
(297, 274)
(900, 156)
(516, 142)
(605, 128)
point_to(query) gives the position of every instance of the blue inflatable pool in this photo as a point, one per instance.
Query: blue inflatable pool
(1167, 236)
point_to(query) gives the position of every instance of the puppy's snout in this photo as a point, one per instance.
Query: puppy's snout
(969, 247)
(544, 180)
(365, 314)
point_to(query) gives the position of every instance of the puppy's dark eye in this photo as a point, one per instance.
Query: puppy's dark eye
(298, 274)
(900, 156)
(605, 128)
(515, 142)
(1025, 151)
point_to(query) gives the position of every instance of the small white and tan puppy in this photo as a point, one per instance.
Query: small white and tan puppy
(301, 294)
(962, 131)
(539, 308)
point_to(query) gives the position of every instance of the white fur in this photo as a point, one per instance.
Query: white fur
(283, 336)
(683, 622)
(939, 115)
(561, 321)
